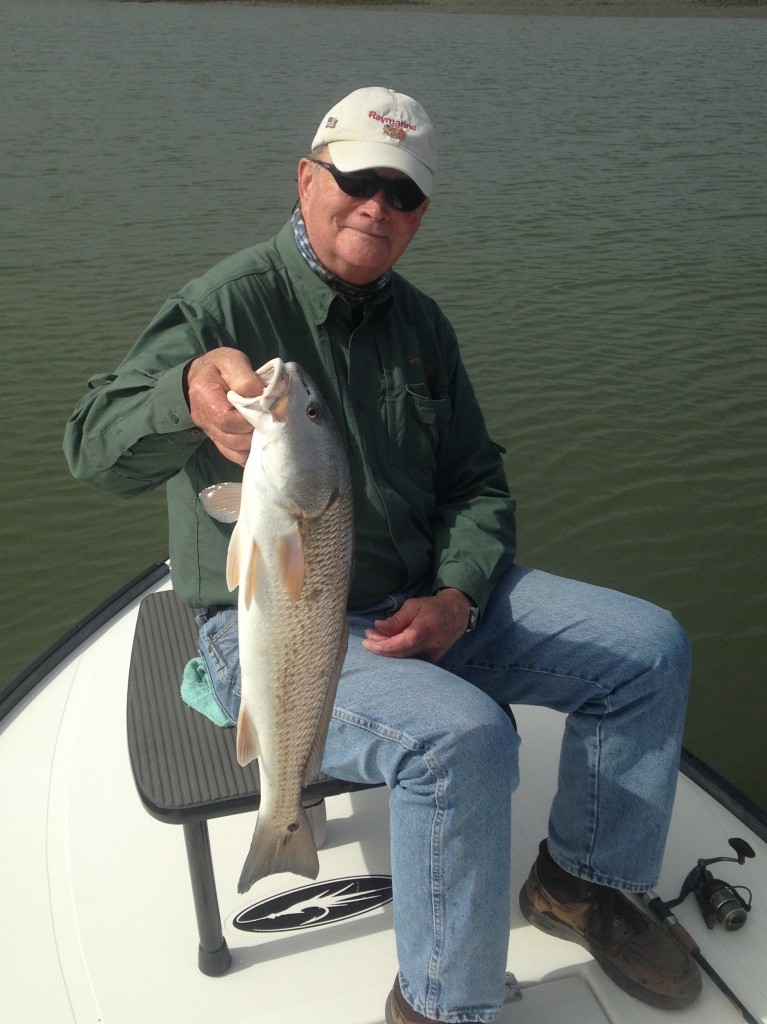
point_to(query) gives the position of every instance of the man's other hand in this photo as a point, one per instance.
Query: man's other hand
(424, 627)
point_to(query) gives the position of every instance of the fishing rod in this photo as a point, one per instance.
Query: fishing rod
(719, 902)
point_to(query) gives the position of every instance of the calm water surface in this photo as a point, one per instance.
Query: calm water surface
(597, 238)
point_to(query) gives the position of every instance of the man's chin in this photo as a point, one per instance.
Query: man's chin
(364, 261)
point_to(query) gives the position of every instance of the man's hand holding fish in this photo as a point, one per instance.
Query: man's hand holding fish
(208, 378)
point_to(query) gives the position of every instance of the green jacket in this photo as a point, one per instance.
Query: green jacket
(431, 498)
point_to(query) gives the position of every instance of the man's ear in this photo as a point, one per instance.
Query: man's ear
(306, 171)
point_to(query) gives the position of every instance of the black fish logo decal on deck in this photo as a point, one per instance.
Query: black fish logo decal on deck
(317, 904)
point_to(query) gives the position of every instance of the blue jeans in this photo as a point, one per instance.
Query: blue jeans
(617, 666)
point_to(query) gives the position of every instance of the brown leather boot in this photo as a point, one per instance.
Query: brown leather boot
(632, 949)
(399, 1011)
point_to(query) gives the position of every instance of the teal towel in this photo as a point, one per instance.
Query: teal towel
(197, 692)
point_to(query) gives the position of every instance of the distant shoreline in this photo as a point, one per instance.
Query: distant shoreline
(592, 8)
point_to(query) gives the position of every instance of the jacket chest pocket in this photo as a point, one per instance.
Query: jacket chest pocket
(417, 428)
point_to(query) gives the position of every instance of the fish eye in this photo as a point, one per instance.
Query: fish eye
(313, 411)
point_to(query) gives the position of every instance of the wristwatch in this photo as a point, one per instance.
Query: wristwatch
(473, 611)
(473, 617)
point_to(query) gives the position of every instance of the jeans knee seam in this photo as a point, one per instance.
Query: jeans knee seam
(466, 668)
(378, 729)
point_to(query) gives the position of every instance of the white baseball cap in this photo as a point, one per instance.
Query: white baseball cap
(377, 127)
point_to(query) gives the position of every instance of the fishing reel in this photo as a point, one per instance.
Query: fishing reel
(719, 901)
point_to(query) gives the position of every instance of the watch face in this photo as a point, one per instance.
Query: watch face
(473, 616)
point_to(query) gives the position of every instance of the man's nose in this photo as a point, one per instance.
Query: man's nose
(377, 203)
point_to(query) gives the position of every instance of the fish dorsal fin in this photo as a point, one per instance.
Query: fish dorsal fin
(290, 560)
(222, 502)
(247, 738)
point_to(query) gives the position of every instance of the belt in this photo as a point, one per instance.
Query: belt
(203, 614)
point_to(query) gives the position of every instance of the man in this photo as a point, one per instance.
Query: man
(444, 627)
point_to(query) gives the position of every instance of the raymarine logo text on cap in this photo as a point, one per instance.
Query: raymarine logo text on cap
(392, 122)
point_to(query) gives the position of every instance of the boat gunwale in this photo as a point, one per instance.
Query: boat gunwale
(725, 793)
(80, 633)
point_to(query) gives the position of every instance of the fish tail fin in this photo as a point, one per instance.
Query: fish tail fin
(273, 850)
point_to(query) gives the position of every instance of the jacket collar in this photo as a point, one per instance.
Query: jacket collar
(315, 293)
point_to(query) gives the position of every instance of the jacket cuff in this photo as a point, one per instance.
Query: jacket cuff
(171, 412)
(462, 577)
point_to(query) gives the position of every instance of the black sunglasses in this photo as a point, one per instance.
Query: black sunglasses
(401, 193)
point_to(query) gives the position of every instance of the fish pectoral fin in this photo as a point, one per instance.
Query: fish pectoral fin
(222, 502)
(247, 738)
(290, 559)
(233, 559)
(242, 562)
(250, 580)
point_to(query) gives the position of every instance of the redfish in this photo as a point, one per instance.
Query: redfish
(290, 555)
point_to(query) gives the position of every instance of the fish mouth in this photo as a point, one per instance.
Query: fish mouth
(279, 408)
(275, 378)
(275, 398)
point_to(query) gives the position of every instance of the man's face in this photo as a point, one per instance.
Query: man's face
(356, 239)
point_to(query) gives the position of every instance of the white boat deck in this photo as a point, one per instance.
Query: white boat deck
(97, 921)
